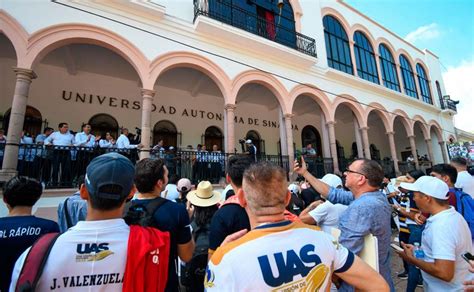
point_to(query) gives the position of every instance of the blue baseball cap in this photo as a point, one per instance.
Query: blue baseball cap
(111, 169)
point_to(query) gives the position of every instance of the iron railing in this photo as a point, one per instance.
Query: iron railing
(238, 17)
(61, 166)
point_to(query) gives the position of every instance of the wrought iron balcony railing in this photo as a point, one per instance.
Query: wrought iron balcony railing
(240, 18)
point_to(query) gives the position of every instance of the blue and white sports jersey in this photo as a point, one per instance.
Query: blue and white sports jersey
(282, 256)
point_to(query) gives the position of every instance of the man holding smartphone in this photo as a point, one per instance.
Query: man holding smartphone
(445, 238)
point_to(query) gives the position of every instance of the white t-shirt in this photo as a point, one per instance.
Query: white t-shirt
(281, 256)
(465, 181)
(90, 256)
(172, 193)
(446, 237)
(59, 139)
(327, 215)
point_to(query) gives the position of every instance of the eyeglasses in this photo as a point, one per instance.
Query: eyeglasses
(352, 171)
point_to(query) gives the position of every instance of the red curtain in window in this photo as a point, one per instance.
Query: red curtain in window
(270, 19)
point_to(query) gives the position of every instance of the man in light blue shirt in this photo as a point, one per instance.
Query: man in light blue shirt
(368, 210)
(72, 210)
(85, 143)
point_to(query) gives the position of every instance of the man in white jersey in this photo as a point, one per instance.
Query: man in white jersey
(465, 180)
(93, 255)
(61, 140)
(324, 213)
(445, 238)
(278, 255)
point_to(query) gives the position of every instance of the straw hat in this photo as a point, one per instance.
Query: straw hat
(204, 196)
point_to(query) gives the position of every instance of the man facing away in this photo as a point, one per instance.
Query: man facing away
(278, 255)
(368, 211)
(231, 217)
(446, 236)
(151, 177)
(94, 254)
(465, 180)
(20, 229)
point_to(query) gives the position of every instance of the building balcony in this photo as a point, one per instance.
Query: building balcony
(448, 104)
(253, 23)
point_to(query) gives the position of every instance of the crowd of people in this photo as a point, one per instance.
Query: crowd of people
(140, 227)
(59, 158)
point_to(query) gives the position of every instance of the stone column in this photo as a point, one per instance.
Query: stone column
(289, 140)
(379, 69)
(429, 146)
(17, 119)
(393, 151)
(413, 150)
(354, 63)
(147, 106)
(326, 151)
(230, 138)
(283, 135)
(442, 144)
(332, 143)
(365, 140)
(360, 148)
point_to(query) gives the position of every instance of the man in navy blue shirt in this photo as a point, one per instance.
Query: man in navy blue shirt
(20, 229)
(151, 177)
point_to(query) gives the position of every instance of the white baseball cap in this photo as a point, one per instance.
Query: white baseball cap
(332, 180)
(428, 185)
(294, 188)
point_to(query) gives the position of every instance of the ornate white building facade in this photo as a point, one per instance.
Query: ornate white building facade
(283, 73)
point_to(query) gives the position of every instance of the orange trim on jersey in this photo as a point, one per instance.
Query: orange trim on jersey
(255, 234)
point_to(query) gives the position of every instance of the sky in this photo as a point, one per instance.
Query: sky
(445, 27)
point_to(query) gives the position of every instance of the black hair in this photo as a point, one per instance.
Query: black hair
(47, 129)
(80, 180)
(22, 191)
(203, 215)
(106, 204)
(372, 170)
(416, 174)
(446, 170)
(236, 167)
(173, 179)
(459, 160)
(147, 173)
(61, 125)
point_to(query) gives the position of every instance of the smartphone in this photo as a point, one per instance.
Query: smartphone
(396, 247)
(467, 257)
(298, 158)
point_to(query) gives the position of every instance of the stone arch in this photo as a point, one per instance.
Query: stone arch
(187, 59)
(46, 40)
(409, 58)
(265, 79)
(15, 33)
(391, 49)
(405, 121)
(298, 13)
(315, 93)
(351, 102)
(424, 129)
(382, 114)
(359, 27)
(423, 65)
(437, 129)
(342, 20)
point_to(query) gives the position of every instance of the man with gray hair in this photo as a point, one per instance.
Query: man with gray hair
(368, 211)
(280, 255)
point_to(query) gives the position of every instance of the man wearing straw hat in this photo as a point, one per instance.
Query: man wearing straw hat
(280, 255)
(204, 201)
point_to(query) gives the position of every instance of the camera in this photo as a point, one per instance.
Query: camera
(138, 130)
(242, 141)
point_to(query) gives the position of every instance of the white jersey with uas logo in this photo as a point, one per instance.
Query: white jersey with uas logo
(282, 256)
(90, 256)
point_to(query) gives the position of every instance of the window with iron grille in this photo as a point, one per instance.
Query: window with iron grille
(408, 79)
(388, 68)
(337, 45)
(424, 84)
(365, 58)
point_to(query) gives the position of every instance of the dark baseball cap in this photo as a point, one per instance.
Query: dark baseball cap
(111, 169)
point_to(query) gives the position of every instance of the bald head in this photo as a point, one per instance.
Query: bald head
(265, 189)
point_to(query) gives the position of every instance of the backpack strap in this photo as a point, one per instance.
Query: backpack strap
(67, 215)
(154, 205)
(35, 262)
